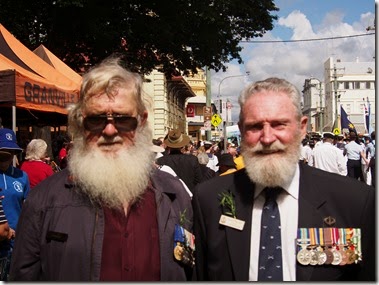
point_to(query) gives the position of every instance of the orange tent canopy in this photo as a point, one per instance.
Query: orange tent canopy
(13, 49)
(58, 64)
(31, 91)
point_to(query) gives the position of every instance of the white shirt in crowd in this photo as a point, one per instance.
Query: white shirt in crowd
(329, 158)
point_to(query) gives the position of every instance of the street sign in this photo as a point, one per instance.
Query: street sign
(207, 112)
(216, 120)
(336, 131)
(207, 126)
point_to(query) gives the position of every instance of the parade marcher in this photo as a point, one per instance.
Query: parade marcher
(306, 154)
(328, 157)
(353, 152)
(185, 166)
(244, 233)
(14, 187)
(110, 215)
(34, 164)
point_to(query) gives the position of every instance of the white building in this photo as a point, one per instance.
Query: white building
(349, 84)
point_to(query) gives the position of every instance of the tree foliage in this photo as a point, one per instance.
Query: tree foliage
(174, 36)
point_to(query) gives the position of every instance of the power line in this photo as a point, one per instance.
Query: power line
(308, 40)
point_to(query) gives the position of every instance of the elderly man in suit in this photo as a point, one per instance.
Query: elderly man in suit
(319, 226)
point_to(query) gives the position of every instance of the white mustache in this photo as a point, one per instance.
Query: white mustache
(268, 149)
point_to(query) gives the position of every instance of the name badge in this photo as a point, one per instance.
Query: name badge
(232, 222)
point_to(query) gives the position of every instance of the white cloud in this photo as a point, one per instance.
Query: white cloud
(297, 61)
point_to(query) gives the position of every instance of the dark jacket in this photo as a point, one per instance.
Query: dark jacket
(223, 253)
(60, 232)
(186, 166)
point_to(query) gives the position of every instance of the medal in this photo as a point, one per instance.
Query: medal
(178, 252)
(321, 257)
(342, 243)
(313, 251)
(304, 255)
(337, 257)
(320, 242)
(328, 239)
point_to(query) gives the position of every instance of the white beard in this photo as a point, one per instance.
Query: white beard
(271, 169)
(113, 181)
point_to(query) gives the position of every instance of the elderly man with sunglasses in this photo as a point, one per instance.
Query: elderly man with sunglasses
(110, 215)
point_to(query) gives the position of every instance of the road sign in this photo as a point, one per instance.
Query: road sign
(207, 112)
(336, 131)
(216, 120)
(207, 126)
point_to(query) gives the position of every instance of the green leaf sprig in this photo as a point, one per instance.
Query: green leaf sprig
(228, 203)
(182, 218)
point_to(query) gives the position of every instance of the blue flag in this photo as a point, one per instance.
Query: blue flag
(345, 122)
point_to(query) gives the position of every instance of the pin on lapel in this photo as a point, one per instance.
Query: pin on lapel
(229, 208)
(330, 221)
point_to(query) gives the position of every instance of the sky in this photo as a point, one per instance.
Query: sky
(297, 61)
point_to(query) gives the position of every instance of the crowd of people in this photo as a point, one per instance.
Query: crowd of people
(348, 154)
(130, 207)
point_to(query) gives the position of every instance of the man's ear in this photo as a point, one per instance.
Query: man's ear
(144, 117)
(303, 126)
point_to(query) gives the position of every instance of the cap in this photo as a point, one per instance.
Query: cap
(328, 136)
(8, 140)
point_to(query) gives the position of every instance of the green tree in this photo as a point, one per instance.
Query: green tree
(174, 36)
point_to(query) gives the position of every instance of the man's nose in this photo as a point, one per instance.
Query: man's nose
(110, 129)
(268, 135)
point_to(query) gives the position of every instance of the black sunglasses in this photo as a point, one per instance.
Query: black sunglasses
(97, 123)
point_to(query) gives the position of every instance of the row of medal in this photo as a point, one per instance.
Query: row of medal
(330, 246)
(184, 246)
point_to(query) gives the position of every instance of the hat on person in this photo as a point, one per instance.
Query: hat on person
(227, 160)
(207, 142)
(8, 140)
(158, 150)
(328, 136)
(175, 139)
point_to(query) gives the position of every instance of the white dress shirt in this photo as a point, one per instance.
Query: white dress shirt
(288, 208)
(329, 158)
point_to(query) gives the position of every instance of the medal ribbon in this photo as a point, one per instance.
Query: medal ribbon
(312, 236)
(321, 236)
(356, 239)
(328, 236)
(335, 236)
(317, 236)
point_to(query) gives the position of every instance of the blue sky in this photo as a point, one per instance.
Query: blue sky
(297, 20)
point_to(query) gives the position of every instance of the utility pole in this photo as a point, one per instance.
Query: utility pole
(208, 133)
(336, 96)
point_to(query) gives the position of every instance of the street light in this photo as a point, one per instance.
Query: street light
(226, 115)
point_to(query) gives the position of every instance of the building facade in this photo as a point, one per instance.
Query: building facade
(347, 84)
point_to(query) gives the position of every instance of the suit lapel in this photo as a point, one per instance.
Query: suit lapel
(239, 241)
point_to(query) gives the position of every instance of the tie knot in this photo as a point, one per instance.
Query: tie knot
(271, 193)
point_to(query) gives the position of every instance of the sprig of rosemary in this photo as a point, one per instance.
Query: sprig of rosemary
(182, 218)
(227, 201)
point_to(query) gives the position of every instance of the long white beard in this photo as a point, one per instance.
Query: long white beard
(271, 169)
(113, 181)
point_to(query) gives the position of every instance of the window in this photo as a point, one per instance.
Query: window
(346, 85)
(368, 84)
(356, 85)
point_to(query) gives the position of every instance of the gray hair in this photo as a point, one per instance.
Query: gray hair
(203, 158)
(106, 78)
(36, 150)
(271, 84)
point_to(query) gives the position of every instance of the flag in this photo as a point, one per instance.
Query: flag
(345, 122)
(368, 118)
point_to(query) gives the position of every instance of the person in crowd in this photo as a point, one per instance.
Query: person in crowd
(366, 154)
(110, 215)
(15, 187)
(372, 161)
(232, 149)
(257, 223)
(213, 159)
(353, 152)
(328, 157)
(207, 173)
(63, 154)
(306, 154)
(340, 143)
(34, 164)
(185, 166)
(158, 153)
(226, 164)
